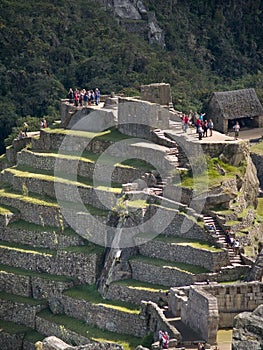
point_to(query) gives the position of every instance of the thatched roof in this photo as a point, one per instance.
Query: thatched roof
(238, 103)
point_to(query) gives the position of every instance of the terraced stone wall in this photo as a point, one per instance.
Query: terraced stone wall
(212, 261)
(105, 317)
(134, 295)
(82, 266)
(258, 161)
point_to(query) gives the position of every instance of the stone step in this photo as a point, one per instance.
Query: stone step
(21, 310)
(64, 262)
(27, 283)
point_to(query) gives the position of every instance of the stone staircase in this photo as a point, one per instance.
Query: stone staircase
(235, 259)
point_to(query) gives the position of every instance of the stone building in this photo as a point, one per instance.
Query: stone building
(225, 108)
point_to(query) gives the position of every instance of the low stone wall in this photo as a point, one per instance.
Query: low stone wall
(82, 266)
(212, 261)
(20, 312)
(134, 295)
(104, 317)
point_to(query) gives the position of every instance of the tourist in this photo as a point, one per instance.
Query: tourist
(185, 123)
(166, 339)
(205, 127)
(236, 128)
(25, 129)
(236, 246)
(200, 132)
(160, 338)
(228, 239)
(97, 96)
(210, 126)
(71, 95)
(76, 98)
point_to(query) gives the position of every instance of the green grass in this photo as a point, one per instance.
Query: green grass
(133, 284)
(89, 157)
(13, 328)
(94, 333)
(187, 242)
(36, 199)
(91, 294)
(257, 148)
(260, 207)
(29, 172)
(187, 268)
(210, 177)
(27, 249)
(108, 135)
(20, 299)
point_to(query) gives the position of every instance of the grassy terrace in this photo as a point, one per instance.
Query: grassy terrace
(13, 328)
(23, 272)
(27, 249)
(90, 294)
(89, 157)
(27, 172)
(138, 285)
(20, 299)
(187, 268)
(88, 248)
(94, 333)
(5, 209)
(7, 192)
(187, 242)
(107, 135)
(257, 148)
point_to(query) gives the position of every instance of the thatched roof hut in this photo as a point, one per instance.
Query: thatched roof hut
(228, 106)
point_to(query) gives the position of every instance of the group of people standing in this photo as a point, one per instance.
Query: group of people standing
(163, 340)
(202, 125)
(84, 97)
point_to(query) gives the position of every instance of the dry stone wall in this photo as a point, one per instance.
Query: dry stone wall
(105, 317)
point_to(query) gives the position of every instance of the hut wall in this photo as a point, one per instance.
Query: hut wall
(214, 112)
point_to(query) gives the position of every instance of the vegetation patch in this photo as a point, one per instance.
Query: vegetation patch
(257, 148)
(13, 328)
(27, 249)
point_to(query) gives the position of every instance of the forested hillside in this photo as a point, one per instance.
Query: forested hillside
(49, 46)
